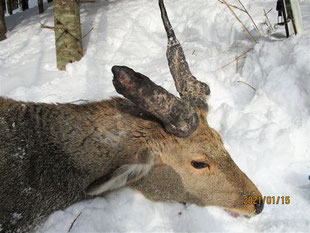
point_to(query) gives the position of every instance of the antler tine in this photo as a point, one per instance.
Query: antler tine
(189, 88)
(178, 117)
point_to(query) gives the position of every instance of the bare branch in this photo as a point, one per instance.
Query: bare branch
(63, 28)
(178, 117)
(189, 88)
(52, 28)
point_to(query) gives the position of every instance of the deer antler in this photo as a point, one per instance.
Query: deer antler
(178, 117)
(189, 88)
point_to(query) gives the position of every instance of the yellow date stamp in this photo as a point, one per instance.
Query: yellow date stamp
(269, 200)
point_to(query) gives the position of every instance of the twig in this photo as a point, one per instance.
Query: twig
(237, 65)
(71, 226)
(63, 28)
(50, 27)
(246, 11)
(269, 11)
(232, 11)
(233, 6)
(88, 32)
(247, 84)
(268, 21)
(236, 59)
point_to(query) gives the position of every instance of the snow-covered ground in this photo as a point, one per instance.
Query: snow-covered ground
(266, 131)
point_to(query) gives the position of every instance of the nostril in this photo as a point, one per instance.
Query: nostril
(259, 207)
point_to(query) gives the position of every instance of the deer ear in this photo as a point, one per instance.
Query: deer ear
(121, 177)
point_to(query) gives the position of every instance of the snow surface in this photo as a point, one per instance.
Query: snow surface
(266, 131)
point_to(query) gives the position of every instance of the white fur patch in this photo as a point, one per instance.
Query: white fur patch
(122, 176)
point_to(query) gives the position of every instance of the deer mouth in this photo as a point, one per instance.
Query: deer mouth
(236, 214)
(233, 214)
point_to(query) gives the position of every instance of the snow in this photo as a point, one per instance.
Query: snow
(266, 130)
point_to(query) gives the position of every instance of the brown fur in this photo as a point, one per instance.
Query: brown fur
(51, 154)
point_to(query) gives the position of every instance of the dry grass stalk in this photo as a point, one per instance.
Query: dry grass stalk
(247, 84)
(236, 16)
(267, 20)
(246, 11)
(243, 55)
(237, 65)
(71, 226)
(88, 33)
(233, 6)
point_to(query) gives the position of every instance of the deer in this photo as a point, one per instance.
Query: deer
(54, 155)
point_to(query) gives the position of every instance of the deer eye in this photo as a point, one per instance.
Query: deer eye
(199, 165)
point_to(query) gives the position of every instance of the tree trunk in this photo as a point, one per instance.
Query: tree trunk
(49, 0)
(40, 6)
(68, 35)
(9, 7)
(24, 4)
(14, 4)
(2, 21)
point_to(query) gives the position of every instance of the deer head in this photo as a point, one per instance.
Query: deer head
(185, 160)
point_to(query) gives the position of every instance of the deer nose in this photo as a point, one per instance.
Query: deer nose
(259, 207)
